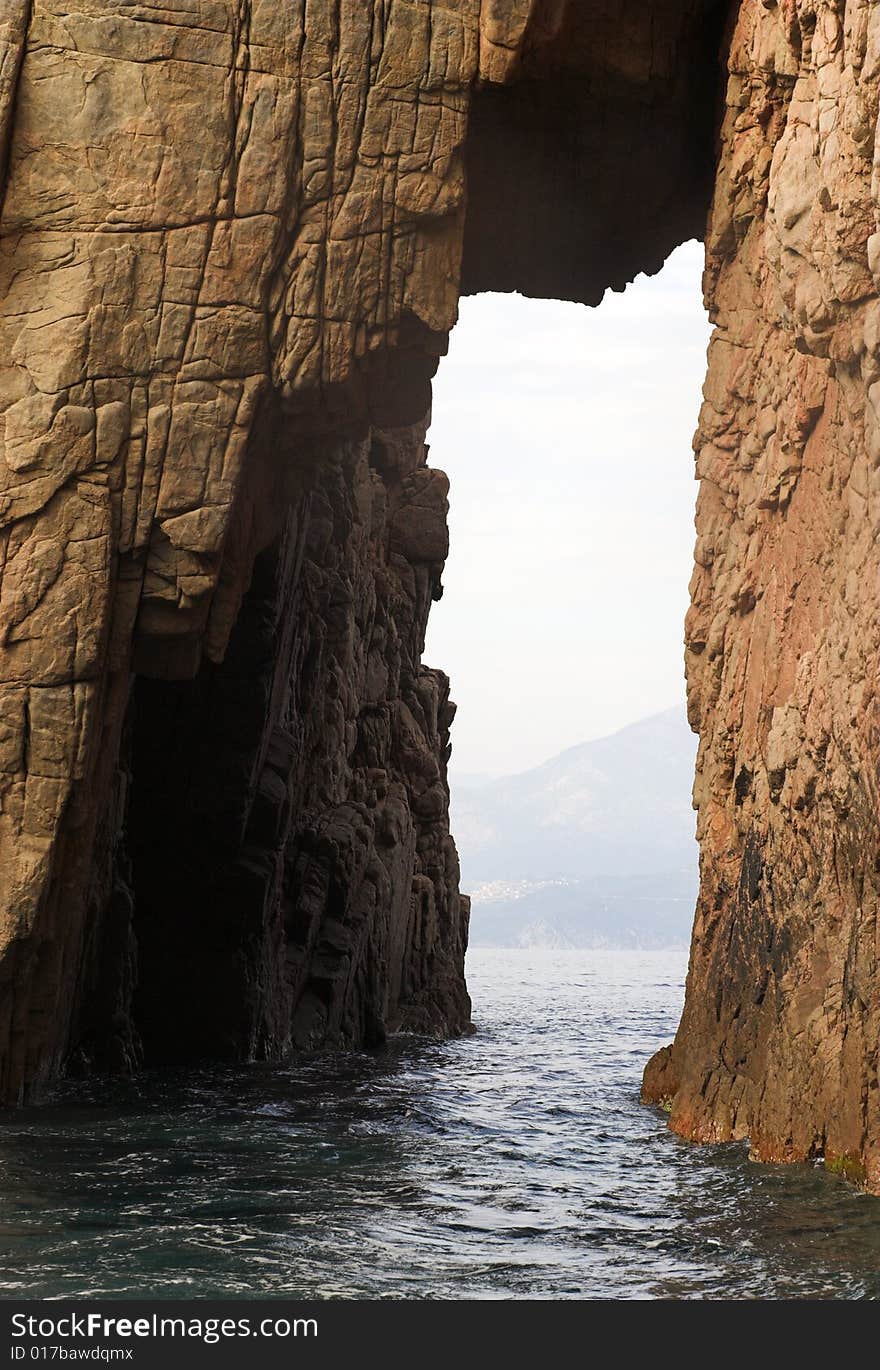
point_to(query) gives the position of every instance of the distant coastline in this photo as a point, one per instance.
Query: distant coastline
(593, 849)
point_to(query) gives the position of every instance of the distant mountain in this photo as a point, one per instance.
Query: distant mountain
(593, 848)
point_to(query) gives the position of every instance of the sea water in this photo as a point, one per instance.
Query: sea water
(516, 1163)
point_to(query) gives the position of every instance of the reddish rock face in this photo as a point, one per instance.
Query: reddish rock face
(231, 248)
(779, 1039)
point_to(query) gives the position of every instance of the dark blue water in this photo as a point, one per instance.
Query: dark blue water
(517, 1162)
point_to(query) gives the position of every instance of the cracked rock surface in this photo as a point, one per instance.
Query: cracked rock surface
(780, 1035)
(233, 238)
(231, 250)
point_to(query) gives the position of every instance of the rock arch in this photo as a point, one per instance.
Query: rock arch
(232, 242)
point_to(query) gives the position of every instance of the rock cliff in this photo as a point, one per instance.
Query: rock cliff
(233, 238)
(780, 1035)
(232, 241)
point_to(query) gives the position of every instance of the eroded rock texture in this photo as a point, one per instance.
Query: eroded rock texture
(233, 237)
(781, 1031)
(230, 239)
(230, 255)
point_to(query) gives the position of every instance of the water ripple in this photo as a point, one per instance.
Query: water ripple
(516, 1163)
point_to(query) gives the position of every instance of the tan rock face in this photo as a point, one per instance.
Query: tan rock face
(226, 228)
(232, 242)
(230, 255)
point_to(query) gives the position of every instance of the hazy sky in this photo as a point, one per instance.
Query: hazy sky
(566, 434)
